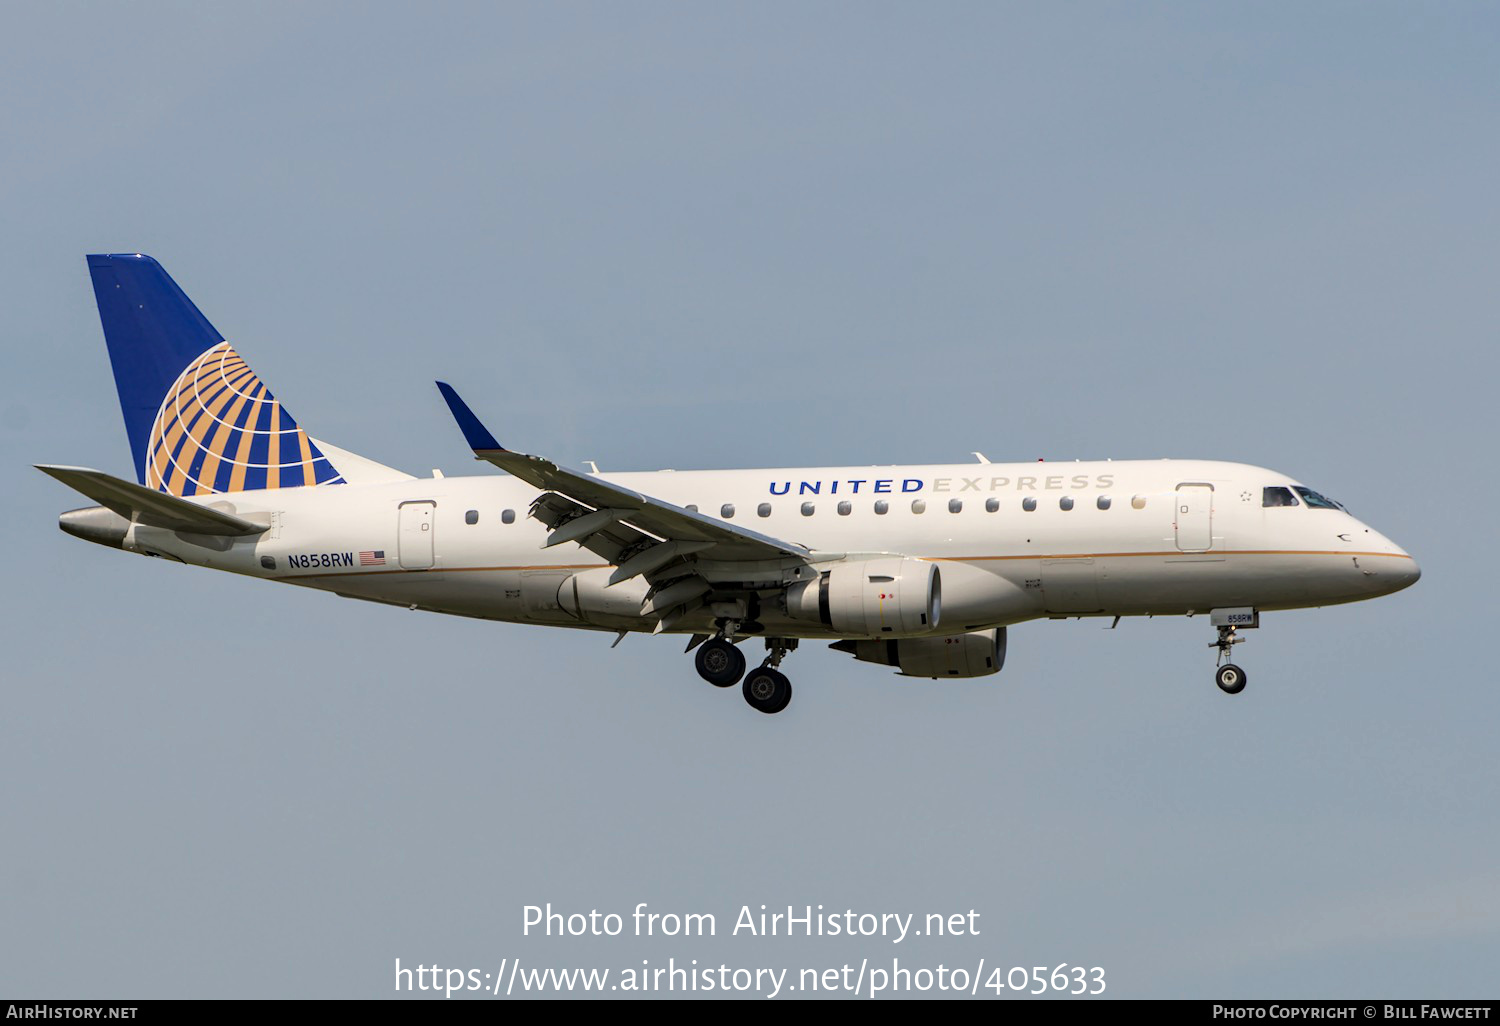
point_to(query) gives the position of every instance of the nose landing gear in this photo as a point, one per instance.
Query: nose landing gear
(1230, 678)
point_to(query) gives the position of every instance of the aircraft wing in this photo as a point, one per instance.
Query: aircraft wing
(636, 532)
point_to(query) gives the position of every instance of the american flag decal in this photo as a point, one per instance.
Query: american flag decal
(376, 558)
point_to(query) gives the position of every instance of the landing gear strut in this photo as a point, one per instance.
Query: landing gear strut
(1230, 678)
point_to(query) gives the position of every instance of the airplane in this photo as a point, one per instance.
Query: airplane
(919, 568)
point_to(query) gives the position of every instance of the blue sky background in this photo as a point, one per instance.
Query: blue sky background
(682, 235)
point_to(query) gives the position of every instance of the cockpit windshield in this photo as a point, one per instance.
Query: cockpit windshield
(1316, 501)
(1276, 495)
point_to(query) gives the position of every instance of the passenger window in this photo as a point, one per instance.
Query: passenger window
(808, 509)
(1316, 501)
(1103, 502)
(691, 508)
(1139, 502)
(763, 510)
(727, 511)
(882, 507)
(918, 506)
(471, 517)
(955, 505)
(1066, 502)
(1029, 505)
(1275, 495)
(992, 505)
(507, 516)
(845, 508)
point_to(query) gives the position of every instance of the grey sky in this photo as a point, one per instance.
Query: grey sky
(738, 235)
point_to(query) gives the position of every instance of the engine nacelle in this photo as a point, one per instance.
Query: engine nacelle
(976, 654)
(886, 597)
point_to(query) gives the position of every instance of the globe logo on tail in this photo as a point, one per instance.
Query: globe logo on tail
(220, 429)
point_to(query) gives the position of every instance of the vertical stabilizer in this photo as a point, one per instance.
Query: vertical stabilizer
(199, 419)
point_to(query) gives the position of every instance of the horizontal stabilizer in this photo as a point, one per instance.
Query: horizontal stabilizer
(152, 508)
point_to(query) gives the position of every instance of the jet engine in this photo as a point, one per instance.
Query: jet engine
(976, 654)
(888, 596)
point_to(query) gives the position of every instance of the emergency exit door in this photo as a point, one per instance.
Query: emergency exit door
(1194, 517)
(415, 536)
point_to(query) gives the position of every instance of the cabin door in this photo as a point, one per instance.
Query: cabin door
(414, 540)
(1193, 519)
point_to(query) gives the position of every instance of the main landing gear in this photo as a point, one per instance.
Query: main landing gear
(720, 663)
(1230, 678)
(766, 688)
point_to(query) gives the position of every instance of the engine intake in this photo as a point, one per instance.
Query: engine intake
(887, 597)
(976, 654)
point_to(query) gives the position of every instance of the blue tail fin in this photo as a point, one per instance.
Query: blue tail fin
(200, 421)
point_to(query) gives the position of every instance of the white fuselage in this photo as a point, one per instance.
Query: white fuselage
(1126, 538)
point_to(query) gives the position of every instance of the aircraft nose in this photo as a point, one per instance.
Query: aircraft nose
(1407, 571)
(1398, 569)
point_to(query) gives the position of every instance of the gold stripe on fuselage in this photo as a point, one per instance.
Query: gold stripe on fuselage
(934, 559)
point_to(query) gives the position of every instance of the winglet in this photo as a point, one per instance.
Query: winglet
(476, 434)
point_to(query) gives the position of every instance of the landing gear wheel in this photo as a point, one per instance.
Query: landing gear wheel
(767, 690)
(1231, 679)
(720, 663)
